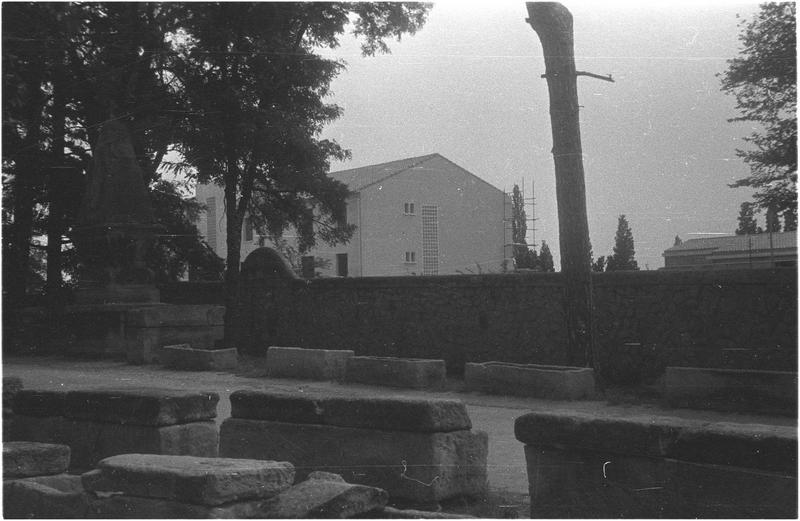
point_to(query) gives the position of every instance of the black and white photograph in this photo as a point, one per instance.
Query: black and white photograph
(399, 260)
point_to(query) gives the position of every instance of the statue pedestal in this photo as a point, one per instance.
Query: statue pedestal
(118, 294)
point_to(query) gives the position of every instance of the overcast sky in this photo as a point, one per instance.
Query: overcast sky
(657, 145)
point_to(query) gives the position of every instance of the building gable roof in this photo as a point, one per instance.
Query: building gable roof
(734, 243)
(357, 179)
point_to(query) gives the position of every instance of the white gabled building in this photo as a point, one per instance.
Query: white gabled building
(418, 216)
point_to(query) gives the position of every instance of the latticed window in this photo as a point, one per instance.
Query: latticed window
(408, 208)
(430, 240)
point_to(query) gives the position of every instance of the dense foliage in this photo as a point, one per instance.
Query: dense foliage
(763, 79)
(237, 88)
(624, 253)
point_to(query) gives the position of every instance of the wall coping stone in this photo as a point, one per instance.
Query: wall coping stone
(764, 447)
(392, 414)
(204, 481)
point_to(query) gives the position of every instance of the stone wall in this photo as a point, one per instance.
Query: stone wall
(459, 319)
(742, 319)
(644, 320)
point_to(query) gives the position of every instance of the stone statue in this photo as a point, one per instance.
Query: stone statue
(116, 224)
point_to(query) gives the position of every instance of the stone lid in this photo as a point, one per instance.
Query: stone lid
(765, 447)
(203, 481)
(35, 402)
(392, 414)
(141, 406)
(22, 459)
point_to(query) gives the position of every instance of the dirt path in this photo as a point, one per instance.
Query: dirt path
(493, 414)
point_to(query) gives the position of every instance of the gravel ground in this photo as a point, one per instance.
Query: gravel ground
(494, 414)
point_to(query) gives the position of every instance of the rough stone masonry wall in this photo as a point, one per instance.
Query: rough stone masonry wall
(456, 318)
(742, 318)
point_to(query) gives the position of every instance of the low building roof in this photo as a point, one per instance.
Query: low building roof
(734, 243)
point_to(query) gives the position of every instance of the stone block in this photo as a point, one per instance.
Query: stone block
(414, 373)
(33, 402)
(43, 429)
(12, 385)
(395, 413)
(396, 513)
(764, 447)
(141, 406)
(763, 392)
(46, 497)
(132, 507)
(143, 344)
(583, 465)
(422, 467)
(203, 481)
(92, 441)
(176, 315)
(575, 483)
(183, 356)
(538, 381)
(309, 364)
(23, 459)
(325, 499)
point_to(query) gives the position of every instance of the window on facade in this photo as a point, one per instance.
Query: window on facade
(411, 256)
(408, 208)
(341, 264)
(430, 240)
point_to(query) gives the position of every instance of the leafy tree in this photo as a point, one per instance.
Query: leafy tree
(764, 81)
(747, 220)
(623, 256)
(773, 221)
(519, 230)
(546, 258)
(68, 68)
(789, 221)
(599, 265)
(254, 89)
(178, 250)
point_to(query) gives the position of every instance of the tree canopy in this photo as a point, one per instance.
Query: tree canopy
(238, 88)
(747, 220)
(763, 79)
(624, 253)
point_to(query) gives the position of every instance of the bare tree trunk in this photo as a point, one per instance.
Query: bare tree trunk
(553, 23)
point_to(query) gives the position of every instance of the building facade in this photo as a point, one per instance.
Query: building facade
(763, 250)
(417, 216)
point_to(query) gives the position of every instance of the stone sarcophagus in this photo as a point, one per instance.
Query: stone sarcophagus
(98, 423)
(418, 450)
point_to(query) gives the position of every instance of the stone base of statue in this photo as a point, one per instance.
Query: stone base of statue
(118, 294)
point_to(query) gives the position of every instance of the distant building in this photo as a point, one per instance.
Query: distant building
(763, 250)
(417, 216)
